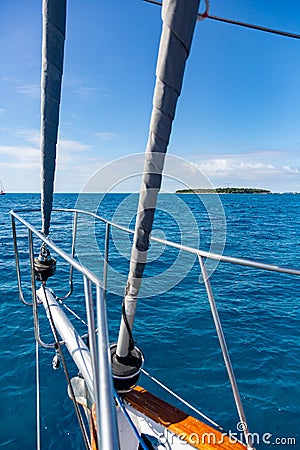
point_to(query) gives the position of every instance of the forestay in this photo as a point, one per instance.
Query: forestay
(54, 26)
(179, 18)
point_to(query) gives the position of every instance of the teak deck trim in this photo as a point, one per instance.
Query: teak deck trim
(180, 423)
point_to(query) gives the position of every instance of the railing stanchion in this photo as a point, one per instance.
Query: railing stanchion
(105, 264)
(92, 343)
(34, 296)
(33, 287)
(108, 430)
(16, 251)
(73, 252)
(225, 352)
(74, 235)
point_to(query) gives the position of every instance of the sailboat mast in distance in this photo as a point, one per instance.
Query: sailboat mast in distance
(2, 191)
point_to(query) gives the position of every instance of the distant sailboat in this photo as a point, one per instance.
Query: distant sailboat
(2, 191)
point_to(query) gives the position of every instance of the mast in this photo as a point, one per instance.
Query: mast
(179, 18)
(54, 26)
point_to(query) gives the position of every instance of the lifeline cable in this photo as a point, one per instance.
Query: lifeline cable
(38, 415)
(163, 386)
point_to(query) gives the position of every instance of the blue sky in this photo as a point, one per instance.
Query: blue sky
(237, 119)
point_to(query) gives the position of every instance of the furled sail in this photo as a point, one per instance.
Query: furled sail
(54, 26)
(179, 18)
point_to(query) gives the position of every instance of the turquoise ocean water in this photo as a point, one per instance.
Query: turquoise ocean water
(259, 312)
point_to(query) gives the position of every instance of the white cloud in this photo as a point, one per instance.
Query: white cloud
(33, 90)
(29, 135)
(67, 145)
(233, 167)
(291, 169)
(86, 92)
(105, 136)
(28, 156)
(71, 155)
(64, 145)
(76, 163)
(258, 169)
(19, 157)
(88, 89)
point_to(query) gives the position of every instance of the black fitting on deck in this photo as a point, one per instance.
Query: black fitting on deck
(44, 265)
(126, 370)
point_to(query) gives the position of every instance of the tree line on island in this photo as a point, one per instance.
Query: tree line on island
(227, 190)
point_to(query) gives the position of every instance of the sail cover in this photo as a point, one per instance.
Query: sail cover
(179, 18)
(54, 26)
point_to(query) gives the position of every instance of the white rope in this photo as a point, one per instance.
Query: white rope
(37, 372)
(181, 399)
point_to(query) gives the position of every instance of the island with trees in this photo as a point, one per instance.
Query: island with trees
(227, 190)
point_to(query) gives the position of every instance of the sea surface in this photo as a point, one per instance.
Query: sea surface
(259, 312)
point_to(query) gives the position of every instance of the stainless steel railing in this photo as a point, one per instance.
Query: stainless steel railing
(103, 372)
(101, 368)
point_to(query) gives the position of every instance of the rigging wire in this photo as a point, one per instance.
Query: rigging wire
(201, 414)
(205, 15)
(253, 27)
(38, 414)
(72, 312)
